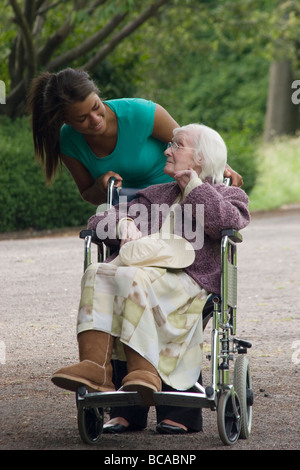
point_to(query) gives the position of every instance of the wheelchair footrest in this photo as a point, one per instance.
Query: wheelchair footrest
(120, 398)
(184, 399)
(111, 399)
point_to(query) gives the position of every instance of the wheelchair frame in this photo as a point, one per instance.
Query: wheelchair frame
(232, 400)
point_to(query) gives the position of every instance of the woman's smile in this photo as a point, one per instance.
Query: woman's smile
(98, 126)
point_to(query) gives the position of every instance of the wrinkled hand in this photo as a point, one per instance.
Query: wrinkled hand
(236, 179)
(183, 177)
(128, 231)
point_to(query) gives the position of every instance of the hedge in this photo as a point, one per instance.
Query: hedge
(25, 199)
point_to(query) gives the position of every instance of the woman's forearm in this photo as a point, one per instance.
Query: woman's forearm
(96, 193)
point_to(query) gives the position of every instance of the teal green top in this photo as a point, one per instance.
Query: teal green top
(138, 157)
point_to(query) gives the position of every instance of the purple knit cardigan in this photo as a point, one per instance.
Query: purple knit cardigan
(224, 207)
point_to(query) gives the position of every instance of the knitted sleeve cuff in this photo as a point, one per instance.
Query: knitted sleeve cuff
(191, 185)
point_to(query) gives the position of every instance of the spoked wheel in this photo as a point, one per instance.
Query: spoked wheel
(228, 417)
(243, 387)
(90, 423)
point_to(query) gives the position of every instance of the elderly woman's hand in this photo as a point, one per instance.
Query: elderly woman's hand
(128, 231)
(183, 177)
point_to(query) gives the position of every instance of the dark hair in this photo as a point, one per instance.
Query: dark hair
(49, 95)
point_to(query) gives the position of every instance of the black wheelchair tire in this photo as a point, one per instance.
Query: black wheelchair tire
(90, 423)
(228, 424)
(243, 386)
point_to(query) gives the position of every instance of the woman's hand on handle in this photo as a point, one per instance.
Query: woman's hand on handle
(236, 179)
(106, 176)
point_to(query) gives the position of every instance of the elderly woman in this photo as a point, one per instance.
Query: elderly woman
(146, 308)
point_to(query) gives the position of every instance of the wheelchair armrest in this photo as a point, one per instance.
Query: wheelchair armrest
(127, 193)
(233, 234)
(90, 233)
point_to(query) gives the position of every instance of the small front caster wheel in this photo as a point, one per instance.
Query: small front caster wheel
(228, 417)
(90, 423)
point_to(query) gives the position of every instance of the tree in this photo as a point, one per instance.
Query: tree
(282, 115)
(98, 26)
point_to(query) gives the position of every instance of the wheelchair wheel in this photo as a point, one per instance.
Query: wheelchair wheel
(90, 424)
(229, 423)
(243, 386)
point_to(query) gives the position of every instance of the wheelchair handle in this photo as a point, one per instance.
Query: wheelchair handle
(110, 188)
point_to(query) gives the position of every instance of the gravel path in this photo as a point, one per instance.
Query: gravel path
(40, 279)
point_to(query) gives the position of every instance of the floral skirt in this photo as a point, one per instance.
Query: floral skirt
(155, 311)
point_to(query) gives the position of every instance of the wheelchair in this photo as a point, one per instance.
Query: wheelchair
(228, 393)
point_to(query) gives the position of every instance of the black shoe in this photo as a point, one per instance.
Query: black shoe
(114, 428)
(120, 428)
(164, 428)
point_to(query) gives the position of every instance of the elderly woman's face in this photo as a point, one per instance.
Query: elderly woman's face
(180, 154)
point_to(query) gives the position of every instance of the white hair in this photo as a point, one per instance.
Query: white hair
(210, 148)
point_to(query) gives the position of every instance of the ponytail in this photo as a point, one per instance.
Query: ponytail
(49, 95)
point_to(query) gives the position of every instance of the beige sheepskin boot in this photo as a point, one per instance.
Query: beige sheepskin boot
(142, 376)
(94, 369)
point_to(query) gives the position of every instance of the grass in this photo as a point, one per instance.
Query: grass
(278, 181)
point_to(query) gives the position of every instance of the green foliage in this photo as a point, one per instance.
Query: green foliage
(25, 201)
(228, 92)
(242, 157)
(278, 174)
(114, 77)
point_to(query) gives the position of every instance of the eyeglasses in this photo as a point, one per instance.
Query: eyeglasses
(174, 146)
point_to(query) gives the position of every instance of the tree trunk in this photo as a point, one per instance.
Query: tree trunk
(282, 113)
